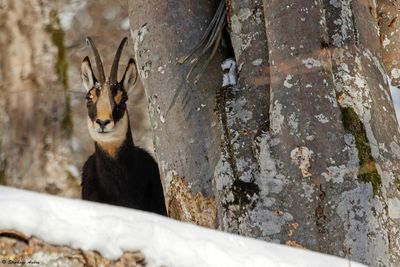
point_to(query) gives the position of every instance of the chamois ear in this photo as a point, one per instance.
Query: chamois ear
(87, 75)
(130, 75)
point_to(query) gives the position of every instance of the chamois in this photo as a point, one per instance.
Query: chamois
(118, 172)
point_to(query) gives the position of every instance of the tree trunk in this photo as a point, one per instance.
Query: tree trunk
(309, 152)
(185, 126)
(244, 117)
(333, 129)
(35, 120)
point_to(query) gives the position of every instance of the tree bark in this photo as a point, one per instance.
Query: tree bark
(244, 116)
(185, 126)
(309, 151)
(362, 84)
(387, 14)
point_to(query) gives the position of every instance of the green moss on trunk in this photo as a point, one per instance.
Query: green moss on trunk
(367, 172)
(57, 36)
(67, 122)
(3, 164)
(2, 177)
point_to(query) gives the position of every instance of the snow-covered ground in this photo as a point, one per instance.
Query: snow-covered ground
(111, 230)
(395, 92)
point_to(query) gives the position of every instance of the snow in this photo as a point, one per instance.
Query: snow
(286, 82)
(69, 11)
(111, 230)
(125, 25)
(229, 69)
(395, 92)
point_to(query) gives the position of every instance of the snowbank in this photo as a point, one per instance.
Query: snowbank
(112, 230)
(395, 92)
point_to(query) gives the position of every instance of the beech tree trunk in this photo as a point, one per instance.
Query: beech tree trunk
(304, 150)
(186, 128)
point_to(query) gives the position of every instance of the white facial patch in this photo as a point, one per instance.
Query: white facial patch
(103, 106)
(117, 134)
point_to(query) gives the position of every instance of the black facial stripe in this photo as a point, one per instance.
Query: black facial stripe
(111, 98)
(118, 110)
(92, 112)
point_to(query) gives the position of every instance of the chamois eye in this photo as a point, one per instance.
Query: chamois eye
(89, 98)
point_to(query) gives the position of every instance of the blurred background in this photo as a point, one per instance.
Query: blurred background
(44, 138)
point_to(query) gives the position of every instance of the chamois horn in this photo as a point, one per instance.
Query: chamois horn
(114, 68)
(99, 63)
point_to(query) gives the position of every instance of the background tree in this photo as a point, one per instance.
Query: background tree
(44, 137)
(186, 132)
(304, 150)
(35, 119)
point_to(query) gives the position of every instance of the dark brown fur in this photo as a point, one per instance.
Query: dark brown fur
(118, 173)
(131, 179)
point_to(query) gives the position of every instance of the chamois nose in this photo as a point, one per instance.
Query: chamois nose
(103, 123)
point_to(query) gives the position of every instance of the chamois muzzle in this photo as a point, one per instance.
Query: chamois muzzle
(102, 123)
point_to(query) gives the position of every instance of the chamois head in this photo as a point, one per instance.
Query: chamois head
(106, 98)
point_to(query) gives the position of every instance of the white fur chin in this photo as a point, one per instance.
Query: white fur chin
(118, 133)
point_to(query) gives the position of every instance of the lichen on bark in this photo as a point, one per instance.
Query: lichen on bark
(242, 191)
